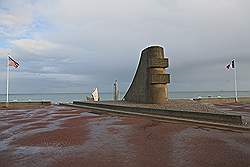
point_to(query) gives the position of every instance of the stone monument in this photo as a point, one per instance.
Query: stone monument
(150, 81)
(116, 91)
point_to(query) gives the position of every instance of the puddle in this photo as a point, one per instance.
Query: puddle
(88, 114)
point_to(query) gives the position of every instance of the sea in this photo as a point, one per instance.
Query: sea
(69, 97)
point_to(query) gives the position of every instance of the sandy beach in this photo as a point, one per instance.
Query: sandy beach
(63, 136)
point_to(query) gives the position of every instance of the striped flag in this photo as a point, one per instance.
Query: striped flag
(231, 64)
(13, 63)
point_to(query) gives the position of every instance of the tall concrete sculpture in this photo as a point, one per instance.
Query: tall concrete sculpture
(150, 81)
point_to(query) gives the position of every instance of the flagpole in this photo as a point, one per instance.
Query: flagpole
(235, 82)
(7, 82)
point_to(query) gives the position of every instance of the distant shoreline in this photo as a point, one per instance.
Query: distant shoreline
(123, 92)
(69, 97)
(212, 100)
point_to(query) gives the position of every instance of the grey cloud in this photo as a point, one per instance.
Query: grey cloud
(102, 40)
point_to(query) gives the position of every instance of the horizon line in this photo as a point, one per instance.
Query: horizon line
(185, 91)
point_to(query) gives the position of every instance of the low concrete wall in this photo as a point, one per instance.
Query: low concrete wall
(202, 116)
(20, 105)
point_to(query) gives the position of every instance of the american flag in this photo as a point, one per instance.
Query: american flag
(13, 63)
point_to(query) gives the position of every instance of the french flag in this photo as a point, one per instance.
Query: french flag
(231, 64)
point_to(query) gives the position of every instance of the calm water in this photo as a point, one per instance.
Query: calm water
(69, 97)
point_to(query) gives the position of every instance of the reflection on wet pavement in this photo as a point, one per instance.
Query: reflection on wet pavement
(64, 136)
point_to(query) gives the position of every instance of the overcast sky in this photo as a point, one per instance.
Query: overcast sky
(76, 45)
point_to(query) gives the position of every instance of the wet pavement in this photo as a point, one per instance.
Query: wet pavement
(63, 136)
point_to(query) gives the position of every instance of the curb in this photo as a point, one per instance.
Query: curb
(162, 118)
(200, 116)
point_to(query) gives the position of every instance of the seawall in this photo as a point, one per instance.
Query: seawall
(24, 105)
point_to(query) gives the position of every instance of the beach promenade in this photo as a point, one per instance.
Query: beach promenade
(65, 136)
